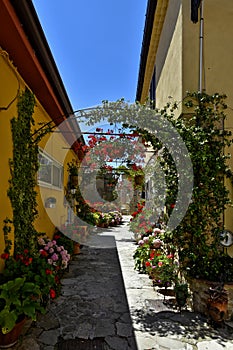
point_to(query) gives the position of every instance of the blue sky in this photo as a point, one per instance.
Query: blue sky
(96, 45)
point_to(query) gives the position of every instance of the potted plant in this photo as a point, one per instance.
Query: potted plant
(181, 293)
(103, 220)
(217, 303)
(19, 300)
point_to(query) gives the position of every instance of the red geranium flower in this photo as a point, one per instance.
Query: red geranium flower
(27, 261)
(56, 237)
(152, 254)
(43, 252)
(57, 279)
(5, 256)
(52, 293)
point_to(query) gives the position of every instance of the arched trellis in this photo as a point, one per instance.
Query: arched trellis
(141, 117)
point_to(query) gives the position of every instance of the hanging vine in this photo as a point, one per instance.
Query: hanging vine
(198, 235)
(23, 167)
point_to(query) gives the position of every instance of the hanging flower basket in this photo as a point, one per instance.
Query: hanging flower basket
(139, 179)
(74, 179)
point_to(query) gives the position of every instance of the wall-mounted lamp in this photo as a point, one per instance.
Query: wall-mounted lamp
(50, 202)
(226, 238)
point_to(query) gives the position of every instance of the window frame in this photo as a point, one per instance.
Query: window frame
(54, 164)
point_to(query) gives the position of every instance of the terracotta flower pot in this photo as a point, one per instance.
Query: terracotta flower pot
(9, 339)
(76, 249)
(217, 310)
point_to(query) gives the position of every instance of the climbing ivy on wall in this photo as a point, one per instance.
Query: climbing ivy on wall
(198, 235)
(23, 167)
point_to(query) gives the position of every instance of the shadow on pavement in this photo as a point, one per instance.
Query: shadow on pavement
(93, 304)
(185, 323)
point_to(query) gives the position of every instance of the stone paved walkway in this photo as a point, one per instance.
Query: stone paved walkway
(104, 299)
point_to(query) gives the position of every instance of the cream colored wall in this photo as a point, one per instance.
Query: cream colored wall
(169, 57)
(217, 45)
(217, 61)
(190, 52)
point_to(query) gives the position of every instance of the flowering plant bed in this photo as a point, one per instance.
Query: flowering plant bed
(30, 280)
(154, 257)
(36, 269)
(57, 256)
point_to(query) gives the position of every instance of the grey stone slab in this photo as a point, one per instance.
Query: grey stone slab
(48, 322)
(104, 328)
(49, 337)
(173, 344)
(214, 345)
(117, 343)
(124, 329)
(145, 341)
(125, 318)
(85, 331)
(29, 344)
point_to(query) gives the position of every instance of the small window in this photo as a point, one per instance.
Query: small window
(50, 172)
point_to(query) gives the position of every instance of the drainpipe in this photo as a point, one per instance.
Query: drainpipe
(200, 86)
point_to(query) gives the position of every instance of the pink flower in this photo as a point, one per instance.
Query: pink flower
(170, 256)
(157, 230)
(50, 244)
(160, 263)
(54, 257)
(157, 243)
(41, 241)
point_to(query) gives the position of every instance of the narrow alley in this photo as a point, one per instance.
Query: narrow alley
(106, 304)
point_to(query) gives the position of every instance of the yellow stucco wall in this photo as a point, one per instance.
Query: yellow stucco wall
(10, 83)
(8, 91)
(56, 147)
